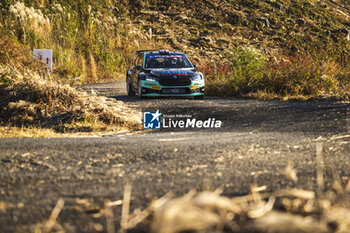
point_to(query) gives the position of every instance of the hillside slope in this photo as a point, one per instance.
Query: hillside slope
(276, 26)
(245, 47)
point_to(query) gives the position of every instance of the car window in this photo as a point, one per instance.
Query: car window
(167, 61)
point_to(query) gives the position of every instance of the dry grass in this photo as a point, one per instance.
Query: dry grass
(250, 74)
(39, 132)
(283, 211)
(25, 132)
(93, 68)
(29, 99)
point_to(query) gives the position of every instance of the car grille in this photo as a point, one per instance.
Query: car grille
(181, 81)
(176, 91)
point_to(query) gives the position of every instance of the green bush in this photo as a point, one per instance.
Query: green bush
(249, 73)
(245, 73)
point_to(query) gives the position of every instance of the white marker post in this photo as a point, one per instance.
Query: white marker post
(44, 55)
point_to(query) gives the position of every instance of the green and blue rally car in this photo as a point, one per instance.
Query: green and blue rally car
(164, 73)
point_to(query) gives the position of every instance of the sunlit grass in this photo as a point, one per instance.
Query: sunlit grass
(249, 74)
(93, 41)
(76, 33)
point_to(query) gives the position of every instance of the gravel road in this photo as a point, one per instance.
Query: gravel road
(255, 144)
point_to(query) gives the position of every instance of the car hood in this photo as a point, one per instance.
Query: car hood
(173, 72)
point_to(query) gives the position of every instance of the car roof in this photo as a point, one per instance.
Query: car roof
(158, 52)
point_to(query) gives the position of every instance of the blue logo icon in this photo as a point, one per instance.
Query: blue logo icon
(151, 120)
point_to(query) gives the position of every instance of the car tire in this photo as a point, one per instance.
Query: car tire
(139, 89)
(199, 97)
(129, 88)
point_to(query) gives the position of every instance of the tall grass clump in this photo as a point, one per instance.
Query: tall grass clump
(77, 31)
(31, 100)
(244, 73)
(29, 24)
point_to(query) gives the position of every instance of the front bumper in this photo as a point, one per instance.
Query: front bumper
(154, 89)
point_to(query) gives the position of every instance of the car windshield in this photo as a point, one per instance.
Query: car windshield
(167, 61)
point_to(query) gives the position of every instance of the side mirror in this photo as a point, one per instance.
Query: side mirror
(137, 67)
(195, 65)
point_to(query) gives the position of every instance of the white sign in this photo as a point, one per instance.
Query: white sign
(44, 55)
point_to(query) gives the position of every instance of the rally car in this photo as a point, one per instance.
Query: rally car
(164, 73)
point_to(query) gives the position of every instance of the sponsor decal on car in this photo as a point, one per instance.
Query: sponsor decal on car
(156, 87)
(174, 73)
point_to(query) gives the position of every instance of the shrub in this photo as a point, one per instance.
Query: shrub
(249, 73)
(243, 74)
(303, 75)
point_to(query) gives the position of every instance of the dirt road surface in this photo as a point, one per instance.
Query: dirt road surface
(256, 142)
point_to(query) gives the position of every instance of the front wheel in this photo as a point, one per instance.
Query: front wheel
(129, 88)
(139, 90)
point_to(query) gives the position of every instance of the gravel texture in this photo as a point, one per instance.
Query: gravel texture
(255, 145)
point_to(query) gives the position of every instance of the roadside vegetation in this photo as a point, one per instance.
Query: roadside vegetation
(290, 210)
(253, 49)
(249, 73)
(298, 47)
(34, 103)
(89, 43)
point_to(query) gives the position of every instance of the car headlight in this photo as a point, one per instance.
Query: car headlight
(197, 77)
(150, 78)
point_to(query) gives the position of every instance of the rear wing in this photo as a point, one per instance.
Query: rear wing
(155, 51)
(144, 51)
